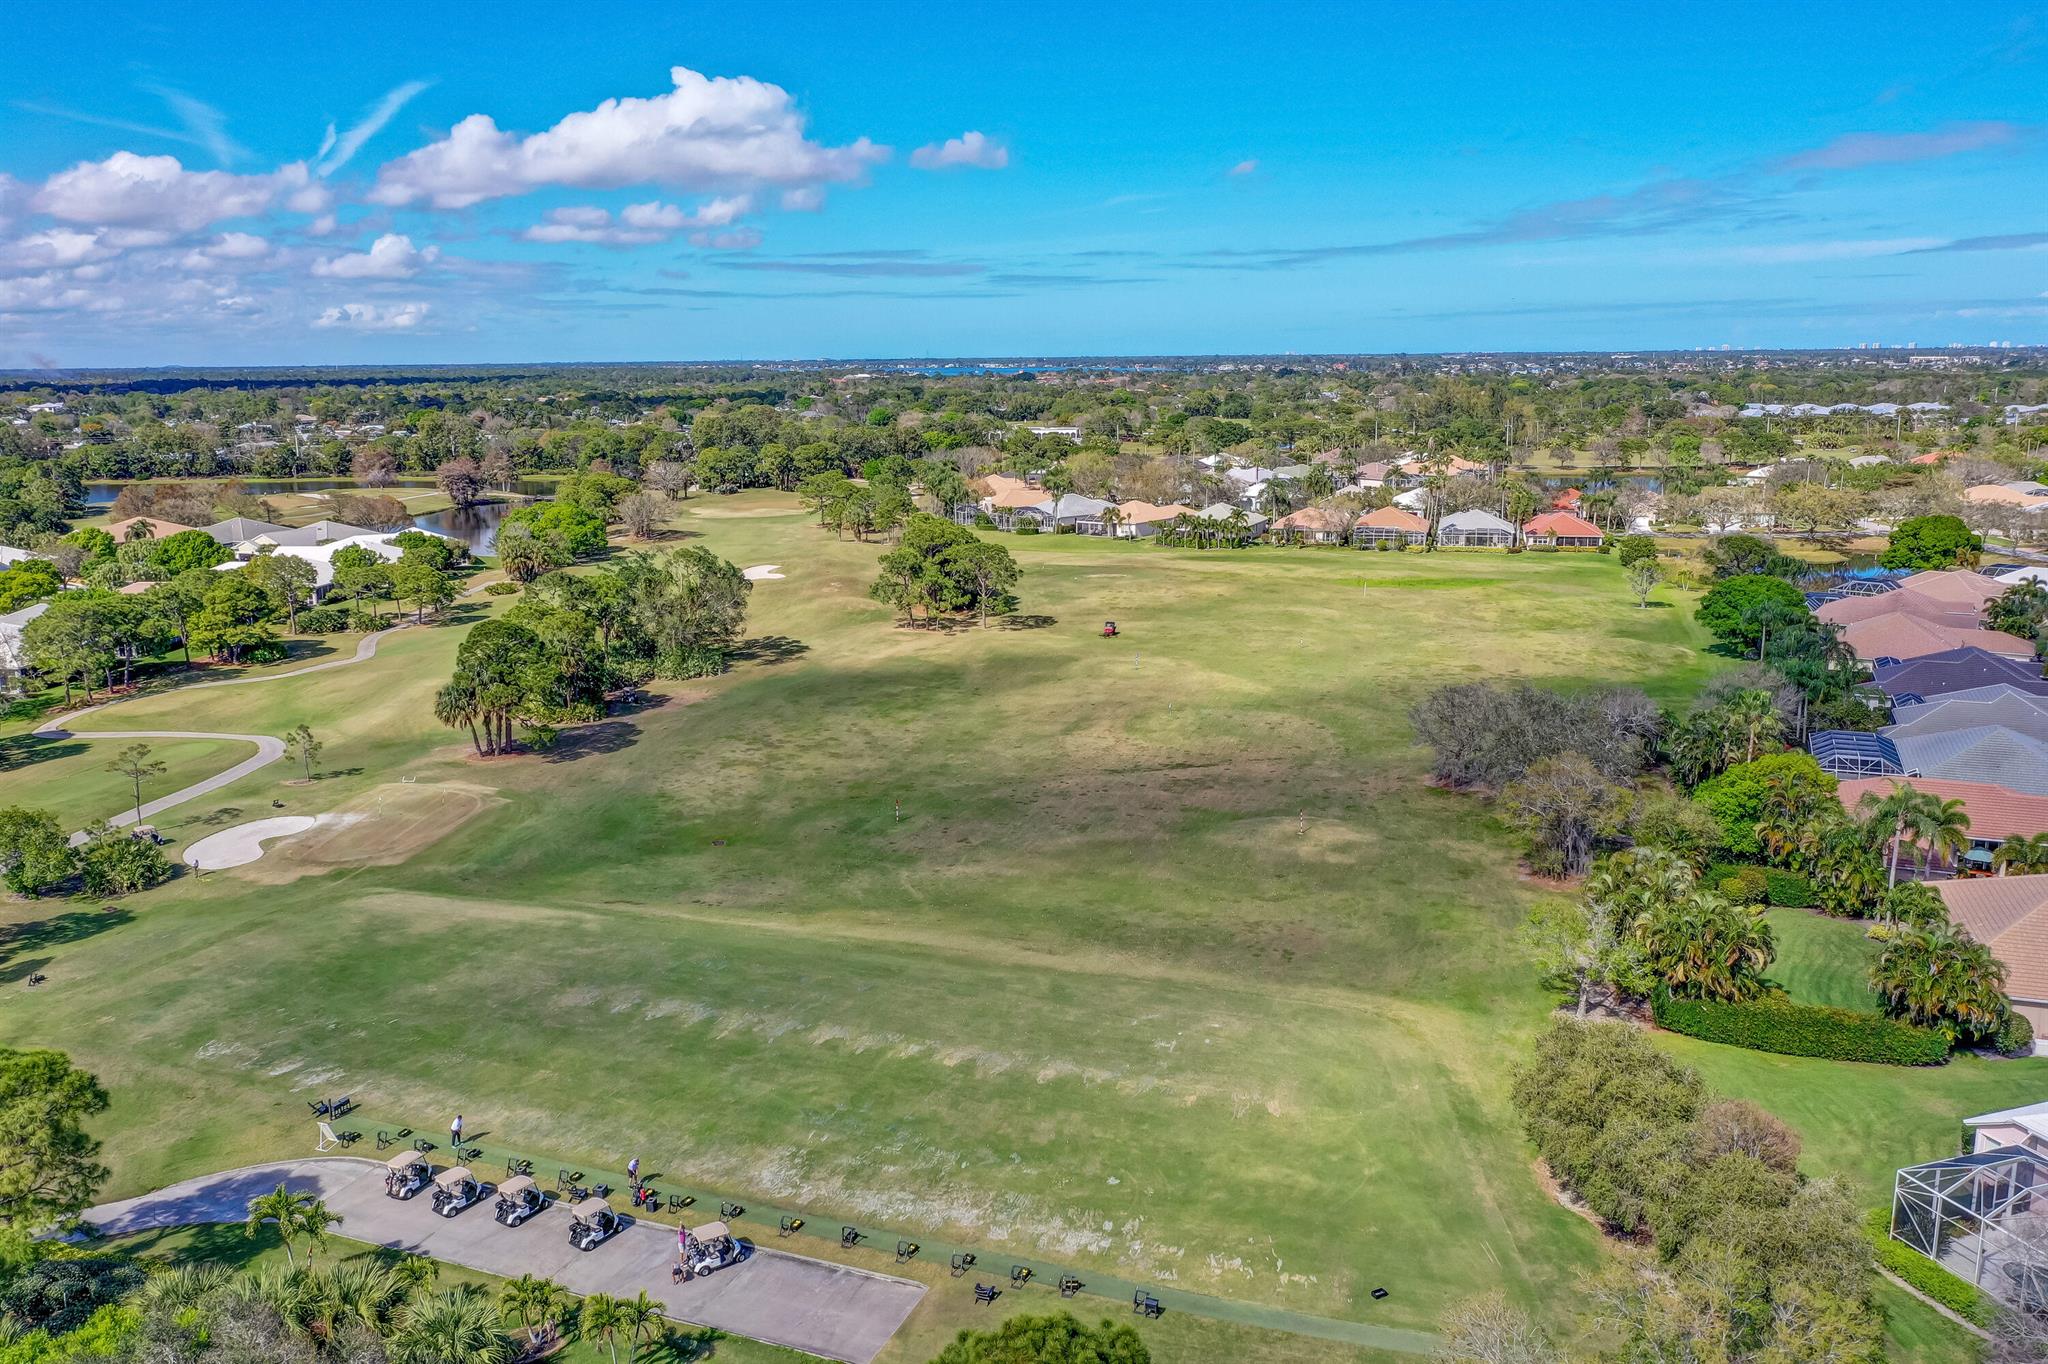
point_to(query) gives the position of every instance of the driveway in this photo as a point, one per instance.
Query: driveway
(810, 1305)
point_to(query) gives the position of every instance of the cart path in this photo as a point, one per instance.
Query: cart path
(811, 1305)
(268, 749)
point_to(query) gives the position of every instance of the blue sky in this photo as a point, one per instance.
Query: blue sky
(216, 184)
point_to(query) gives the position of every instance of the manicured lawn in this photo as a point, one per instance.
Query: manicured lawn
(1173, 969)
(69, 777)
(1823, 960)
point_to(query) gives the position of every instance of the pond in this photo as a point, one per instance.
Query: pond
(476, 526)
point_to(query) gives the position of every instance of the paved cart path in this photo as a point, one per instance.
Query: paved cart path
(268, 749)
(810, 1305)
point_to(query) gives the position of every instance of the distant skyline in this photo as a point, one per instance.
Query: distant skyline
(218, 184)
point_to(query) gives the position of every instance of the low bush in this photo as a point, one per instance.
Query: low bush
(2015, 1037)
(501, 589)
(1748, 885)
(1787, 889)
(1777, 1024)
(1026, 528)
(1958, 1295)
(324, 620)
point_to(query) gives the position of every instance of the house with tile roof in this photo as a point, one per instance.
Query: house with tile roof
(1954, 585)
(2009, 915)
(1995, 812)
(1395, 525)
(1902, 634)
(1564, 529)
(1987, 753)
(143, 528)
(1313, 525)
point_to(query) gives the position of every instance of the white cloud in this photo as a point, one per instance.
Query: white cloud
(391, 256)
(969, 149)
(804, 199)
(157, 193)
(638, 224)
(51, 291)
(58, 248)
(1245, 167)
(228, 249)
(374, 317)
(336, 151)
(708, 133)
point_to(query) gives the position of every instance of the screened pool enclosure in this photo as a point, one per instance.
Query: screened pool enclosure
(1983, 1217)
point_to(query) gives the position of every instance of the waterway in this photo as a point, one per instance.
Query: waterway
(475, 525)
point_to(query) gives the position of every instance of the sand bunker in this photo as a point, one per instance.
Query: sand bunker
(382, 827)
(243, 844)
(760, 571)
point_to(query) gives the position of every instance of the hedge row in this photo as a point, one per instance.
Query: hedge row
(1776, 1024)
(1958, 1295)
(1785, 889)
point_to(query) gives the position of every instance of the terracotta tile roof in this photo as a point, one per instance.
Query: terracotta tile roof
(1995, 811)
(1135, 512)
(1848, 610)
(1901, 634)
(1026, 496)
(2000, 493)
(1562, 524)
(1394, 518)
(2009, 915)
(1954, 585)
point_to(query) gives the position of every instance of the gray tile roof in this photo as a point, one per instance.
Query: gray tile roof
(1954, 670)
(2015, 710)
(1990, 753)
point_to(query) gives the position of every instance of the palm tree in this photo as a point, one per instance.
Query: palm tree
(2022, 854)
(1753, 716)
(185, 1286)
(294, 1213)
(451, 1328)
(363, 1292)
(456, 705)
(1705, 947)
(1938, 976)
(640, 1317)
(601, 1321)
(414, 1273)
(1904, 810)
(515, 1299)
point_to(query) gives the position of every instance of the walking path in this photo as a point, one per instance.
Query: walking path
(811, 1305)
(268, 749)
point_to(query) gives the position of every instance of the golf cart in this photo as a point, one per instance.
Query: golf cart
(712, 1247)
(405, 1174)
(1109, 629)
(591, 1223)
(455, 1190)
(518, 1199)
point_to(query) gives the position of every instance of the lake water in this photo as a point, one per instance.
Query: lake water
(476, 526)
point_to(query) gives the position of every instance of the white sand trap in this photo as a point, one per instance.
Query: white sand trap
(243, 844)
(760, 571)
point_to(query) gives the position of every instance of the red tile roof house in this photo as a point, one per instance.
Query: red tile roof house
(1903, 634)
(1566, 530)
(1996, 814)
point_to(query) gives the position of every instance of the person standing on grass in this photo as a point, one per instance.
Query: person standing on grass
(633, 1172)
(455, 1133)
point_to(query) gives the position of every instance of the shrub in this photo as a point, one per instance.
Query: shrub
(983, 521)
(120, 865)
(2015, 1036)
(57, 1295)
(502, 589)
(325, 620)
(1787, 889)
(271, 652)
(1747, 884)
(1958, 1295)
(1777, 1024)
(1026, 528)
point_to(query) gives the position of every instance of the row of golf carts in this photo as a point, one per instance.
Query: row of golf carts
(591, 1219)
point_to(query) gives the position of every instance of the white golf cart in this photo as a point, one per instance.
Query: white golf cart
(455, 1190)
(712, 1246)
(518, 1199)
(591, 1223)
(405, 1174)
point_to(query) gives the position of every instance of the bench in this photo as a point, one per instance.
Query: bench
(986, 1293)
(1144, 1304)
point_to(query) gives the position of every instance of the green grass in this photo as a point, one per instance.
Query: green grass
(69, 777)
(1174, 970)
(1823, 961)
